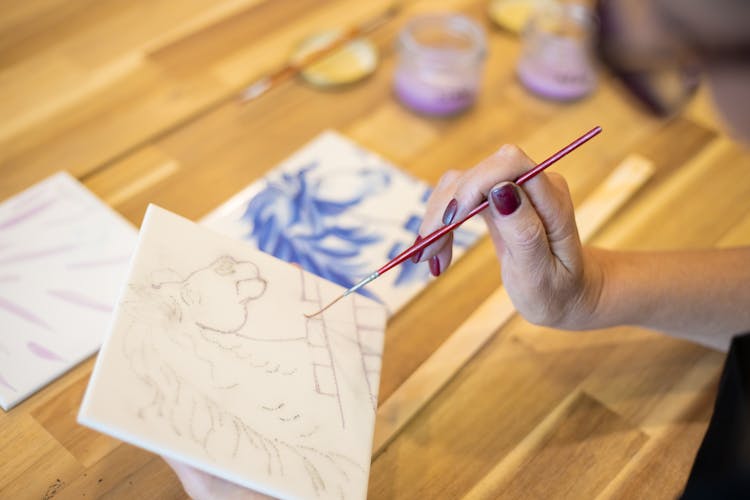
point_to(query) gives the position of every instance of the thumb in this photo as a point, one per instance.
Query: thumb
(519, 227)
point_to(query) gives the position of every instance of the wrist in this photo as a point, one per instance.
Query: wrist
(597, 268)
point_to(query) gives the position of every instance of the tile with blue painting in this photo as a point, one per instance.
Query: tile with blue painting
(339, 211)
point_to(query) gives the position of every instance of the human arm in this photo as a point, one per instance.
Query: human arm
(701, 295)
(555, 281)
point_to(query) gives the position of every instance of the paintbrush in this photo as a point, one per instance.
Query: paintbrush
(436, 235)
(266, 83)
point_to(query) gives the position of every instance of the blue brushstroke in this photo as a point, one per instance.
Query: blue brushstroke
(293, 219)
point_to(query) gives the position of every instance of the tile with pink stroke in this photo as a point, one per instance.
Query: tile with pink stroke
(63, 256)
(211, 360)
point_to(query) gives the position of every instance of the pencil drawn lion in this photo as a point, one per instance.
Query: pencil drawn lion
(220, 385)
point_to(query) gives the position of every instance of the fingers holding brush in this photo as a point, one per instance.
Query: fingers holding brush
(465, 195)
(457, 193)
(532, 227)
(438, 254)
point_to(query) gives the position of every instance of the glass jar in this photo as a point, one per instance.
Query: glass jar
(439, 70)
(556, 60)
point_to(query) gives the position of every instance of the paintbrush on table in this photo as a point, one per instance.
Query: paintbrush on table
(266, 83)
(436, 235)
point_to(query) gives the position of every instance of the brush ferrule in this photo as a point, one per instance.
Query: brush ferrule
(362, 283)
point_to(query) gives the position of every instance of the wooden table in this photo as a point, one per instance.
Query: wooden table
(137, 99)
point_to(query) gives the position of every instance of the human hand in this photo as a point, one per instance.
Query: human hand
(202, 486)
(552, 280)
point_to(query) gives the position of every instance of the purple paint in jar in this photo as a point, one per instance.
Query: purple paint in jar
(556, 61)
(440, 64)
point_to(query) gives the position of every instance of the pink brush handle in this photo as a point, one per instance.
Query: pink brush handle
(436, 235)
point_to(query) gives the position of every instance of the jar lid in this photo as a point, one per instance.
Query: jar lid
(350, 63)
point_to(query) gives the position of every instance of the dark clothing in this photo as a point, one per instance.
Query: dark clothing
(722, 466)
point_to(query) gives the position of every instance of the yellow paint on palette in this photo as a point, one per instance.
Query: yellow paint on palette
(512, 15)
(352, 62)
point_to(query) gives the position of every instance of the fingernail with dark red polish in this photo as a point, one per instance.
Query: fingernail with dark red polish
(415, 258)
(450, 212)
(435, 266)
(506, 198)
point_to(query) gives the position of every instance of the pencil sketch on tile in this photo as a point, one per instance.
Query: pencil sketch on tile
(340, 212)
(214, 363)
(63, 255)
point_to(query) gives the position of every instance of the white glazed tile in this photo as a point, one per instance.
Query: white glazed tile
(63, 255)
(211, 361)
(341, 212)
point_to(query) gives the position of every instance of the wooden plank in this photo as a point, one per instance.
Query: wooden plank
(481, 415)
(414, 334)
(115, 472)
(738, 235)
(121, 116)
(717, 176)
(375, 131)
(654, 391)
(661, 466)
(79, 38)
(154, 479)
(574, 453)
(33, 461)
(58, 417)
(473, 333)
(514, 461)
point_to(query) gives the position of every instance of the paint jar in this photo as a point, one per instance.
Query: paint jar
(557, 60)
(440, 63)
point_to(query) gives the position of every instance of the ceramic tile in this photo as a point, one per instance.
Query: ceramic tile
(340, 212)
(211, 361)
(63, 255)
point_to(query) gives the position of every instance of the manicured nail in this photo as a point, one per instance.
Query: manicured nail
(435, 266)
(450, 212)
(415, 258)
(506, 198)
